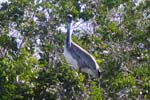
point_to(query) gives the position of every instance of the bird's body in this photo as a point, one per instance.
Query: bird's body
(79, 58)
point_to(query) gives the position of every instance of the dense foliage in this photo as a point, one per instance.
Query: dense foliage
(32, 65)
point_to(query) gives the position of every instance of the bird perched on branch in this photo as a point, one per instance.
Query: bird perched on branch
(75, 55)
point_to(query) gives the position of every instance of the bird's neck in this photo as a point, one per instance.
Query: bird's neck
(69, 33)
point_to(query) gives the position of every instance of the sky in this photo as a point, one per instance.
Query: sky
(3, 1)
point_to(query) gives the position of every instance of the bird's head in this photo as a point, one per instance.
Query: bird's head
(69, 18)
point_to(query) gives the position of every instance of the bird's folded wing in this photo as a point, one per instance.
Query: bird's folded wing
(83, 57)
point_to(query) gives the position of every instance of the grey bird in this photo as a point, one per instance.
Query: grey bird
(78, 57)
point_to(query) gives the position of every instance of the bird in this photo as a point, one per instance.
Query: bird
(78, 57)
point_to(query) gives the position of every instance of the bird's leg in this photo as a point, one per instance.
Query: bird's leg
(99, 82)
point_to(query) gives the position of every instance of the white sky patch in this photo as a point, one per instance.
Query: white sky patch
(15, 33)
(79, 27)
(84, 27)
(46, 15)
(62, 28)
(1, 1)
(82, 7)
(37, 1)
(36, 55)
(38, 41)
(36, 52)
(137, 2)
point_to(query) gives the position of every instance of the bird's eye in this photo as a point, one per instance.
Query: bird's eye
(68, 19)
